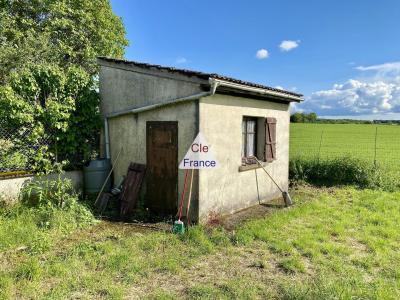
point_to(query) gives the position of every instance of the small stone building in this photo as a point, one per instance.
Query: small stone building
(153, 113)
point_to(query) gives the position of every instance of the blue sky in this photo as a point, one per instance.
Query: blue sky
(344, 56)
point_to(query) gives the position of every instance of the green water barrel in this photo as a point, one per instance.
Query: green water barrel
(94, 175)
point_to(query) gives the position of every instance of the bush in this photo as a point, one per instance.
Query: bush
(56, 193)
(342, 171)
(48, 196)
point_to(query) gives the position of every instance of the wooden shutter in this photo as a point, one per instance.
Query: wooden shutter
(270, 139)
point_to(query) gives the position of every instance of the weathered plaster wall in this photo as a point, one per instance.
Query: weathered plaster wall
(122, 89)
(129, 133)
(225, 190)
(219, 118)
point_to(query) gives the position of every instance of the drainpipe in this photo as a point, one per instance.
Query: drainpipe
(107, 138)
(134, 110)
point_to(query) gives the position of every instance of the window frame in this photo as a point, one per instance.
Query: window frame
(247, 160)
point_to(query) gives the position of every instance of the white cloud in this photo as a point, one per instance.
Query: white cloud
(288, 45)
(382, 68)
(356, 97)
(262, 54)
(377, 93)
(181, 60)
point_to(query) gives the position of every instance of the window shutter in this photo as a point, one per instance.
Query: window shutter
(270, 139)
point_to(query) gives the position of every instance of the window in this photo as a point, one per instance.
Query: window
(258, 140)
(249, 139)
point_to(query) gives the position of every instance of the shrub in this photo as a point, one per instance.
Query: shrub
(51, 196)
(342, 171)
(56, 193)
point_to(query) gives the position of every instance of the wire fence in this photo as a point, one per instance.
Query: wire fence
(19, 147)
(378, 144)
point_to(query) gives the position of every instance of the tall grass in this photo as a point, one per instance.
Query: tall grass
(46, 210)
(333, 244)
(343, 171)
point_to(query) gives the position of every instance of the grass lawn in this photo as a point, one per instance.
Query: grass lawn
(357, 140)
(333, 243)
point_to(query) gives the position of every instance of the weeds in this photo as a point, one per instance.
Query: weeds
(343, 171)
(47, 208)
(333, 244)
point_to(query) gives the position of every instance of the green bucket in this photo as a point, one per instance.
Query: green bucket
(179, 227)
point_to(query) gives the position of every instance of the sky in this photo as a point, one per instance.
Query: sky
(343, 56)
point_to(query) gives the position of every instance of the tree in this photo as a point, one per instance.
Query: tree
(59, 32)
(312, 117)
(48, 72)
(57, 105)
(303, 118)
(297, 118)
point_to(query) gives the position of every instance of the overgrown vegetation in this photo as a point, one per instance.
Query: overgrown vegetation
(65, 33)
(345, 154)
(333, 244)
(61, 109)
(48, 79)
(47, 208)
(342, 171)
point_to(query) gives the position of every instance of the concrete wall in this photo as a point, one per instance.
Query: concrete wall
(11, 187)
(219, 118)
(122, 89)
(225, 190)
(129, 134)
(133, 87)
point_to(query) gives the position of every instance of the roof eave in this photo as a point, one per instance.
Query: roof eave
(256, 90)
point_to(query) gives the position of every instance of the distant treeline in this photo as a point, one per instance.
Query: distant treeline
(313, 118)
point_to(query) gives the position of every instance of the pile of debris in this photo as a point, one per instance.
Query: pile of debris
(126, 191)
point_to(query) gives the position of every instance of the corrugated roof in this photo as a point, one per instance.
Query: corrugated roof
(198, 74)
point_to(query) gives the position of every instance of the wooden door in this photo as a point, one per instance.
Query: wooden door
(162, 166)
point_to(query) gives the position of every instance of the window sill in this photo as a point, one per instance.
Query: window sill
(244, 168)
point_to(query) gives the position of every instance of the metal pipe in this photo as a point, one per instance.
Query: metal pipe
(134, 110)
(106, 137)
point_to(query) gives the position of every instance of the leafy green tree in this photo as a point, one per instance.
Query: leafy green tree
(312, 117)
(48, 72)
(61, 32)
(303, 118)
(60, 105)
(297, 118)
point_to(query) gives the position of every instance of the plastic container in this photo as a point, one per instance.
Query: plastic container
(94, 175)
(179, 227)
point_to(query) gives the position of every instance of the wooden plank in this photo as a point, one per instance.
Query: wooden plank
(131, 189)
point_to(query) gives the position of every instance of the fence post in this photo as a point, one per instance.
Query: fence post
(320, 145)
(376, 135)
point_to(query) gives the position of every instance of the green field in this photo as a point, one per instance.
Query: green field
(357, 140)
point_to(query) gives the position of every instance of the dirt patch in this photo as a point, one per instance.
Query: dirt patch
(229, 222)
(214, 269)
